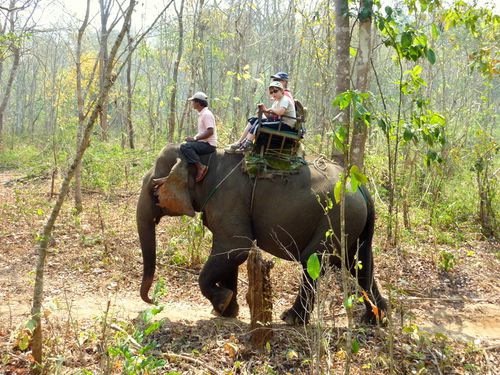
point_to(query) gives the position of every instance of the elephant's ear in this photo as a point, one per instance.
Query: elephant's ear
(173, 192)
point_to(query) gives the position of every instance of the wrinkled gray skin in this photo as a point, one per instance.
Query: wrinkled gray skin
(285, 218)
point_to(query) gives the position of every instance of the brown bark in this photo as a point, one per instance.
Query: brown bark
(342, 84)
(173, 94)
(130, 125)
(360, 130)
(259, 298)
(105, 7)
(80, 107)
(486, 212)
(342, 70)
(16, 57)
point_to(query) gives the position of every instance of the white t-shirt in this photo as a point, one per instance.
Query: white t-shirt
(285, 102)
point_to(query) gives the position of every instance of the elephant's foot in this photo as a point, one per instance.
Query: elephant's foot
(221, 301)
(294, 318)
(369, 318)
(231, 310)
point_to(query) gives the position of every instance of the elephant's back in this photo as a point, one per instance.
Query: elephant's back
(290, 209)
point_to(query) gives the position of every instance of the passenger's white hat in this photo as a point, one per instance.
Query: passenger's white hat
(277, 84)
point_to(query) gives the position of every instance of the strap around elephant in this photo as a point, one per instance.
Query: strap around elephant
(212, 192)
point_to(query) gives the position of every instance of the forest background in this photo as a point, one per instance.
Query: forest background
(418, 112)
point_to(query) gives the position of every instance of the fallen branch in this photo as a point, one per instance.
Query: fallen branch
(173, 356)
(169, 355)
(446, 299)
(491, 347)
(184, 269)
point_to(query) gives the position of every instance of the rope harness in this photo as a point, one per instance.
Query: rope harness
(212, 192)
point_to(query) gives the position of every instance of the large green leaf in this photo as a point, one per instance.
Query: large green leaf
(337, 191)
(355, 346)
(435, 31)
(356, 173)
(431, 56)
(313, 266)
(406, 39)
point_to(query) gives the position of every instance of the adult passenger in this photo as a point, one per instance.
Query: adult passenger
(205, 141)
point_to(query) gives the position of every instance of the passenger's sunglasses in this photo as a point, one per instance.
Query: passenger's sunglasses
(273, 91)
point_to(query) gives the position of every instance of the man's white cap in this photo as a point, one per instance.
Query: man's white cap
(199, 95)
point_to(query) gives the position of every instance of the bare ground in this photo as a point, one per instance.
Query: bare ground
(442, 322)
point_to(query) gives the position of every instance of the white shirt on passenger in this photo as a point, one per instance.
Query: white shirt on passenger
(289, 106)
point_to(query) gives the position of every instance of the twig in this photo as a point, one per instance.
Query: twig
(102, 344)
(436, 362)
(103, 230)
(487, 358)
(73, 324)
(188, 270)
(134, 343)
(446, 299)
(491, 347)
(123, 194)
(170, 355)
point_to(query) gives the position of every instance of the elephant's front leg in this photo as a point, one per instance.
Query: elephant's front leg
(219, 279)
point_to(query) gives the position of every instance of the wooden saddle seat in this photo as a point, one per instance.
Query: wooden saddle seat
(281, 143)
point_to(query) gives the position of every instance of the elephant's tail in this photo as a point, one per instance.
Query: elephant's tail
(366, 236)
(364, 250)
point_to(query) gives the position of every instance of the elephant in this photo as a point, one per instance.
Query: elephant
(282, 214)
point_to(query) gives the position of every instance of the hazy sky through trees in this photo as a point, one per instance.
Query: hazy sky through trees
(56, 12)
(52, 13)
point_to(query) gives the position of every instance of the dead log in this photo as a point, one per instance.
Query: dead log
(259, 298)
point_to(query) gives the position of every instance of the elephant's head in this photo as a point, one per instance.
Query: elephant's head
(160, 195)
(172, 191)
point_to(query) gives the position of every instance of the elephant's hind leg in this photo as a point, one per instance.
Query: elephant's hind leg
(366, 281)
(301, 310)
(303, 306)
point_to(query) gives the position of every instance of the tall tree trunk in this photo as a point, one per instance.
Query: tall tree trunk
(360, 130)
(173, 94)
(16, 57)
(342, 69)
(128, 114)
(36, 340)
(80, 108)
(105, 8)
(342, 84)
(236, 88)
(196, 62)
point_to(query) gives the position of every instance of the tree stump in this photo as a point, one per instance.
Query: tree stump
(259, 298)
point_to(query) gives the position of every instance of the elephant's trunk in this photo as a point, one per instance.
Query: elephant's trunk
(145, 286)
(146, 227)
